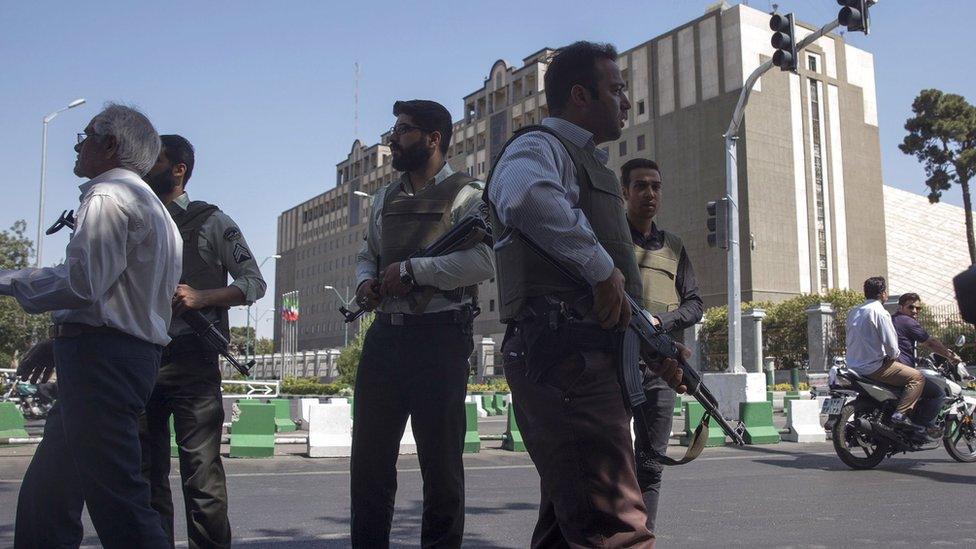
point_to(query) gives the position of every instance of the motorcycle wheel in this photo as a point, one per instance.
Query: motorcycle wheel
(854, 448)
(960, 439)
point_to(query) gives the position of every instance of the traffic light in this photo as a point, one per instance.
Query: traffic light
(854, 15)
(783, 41)
(718, 223)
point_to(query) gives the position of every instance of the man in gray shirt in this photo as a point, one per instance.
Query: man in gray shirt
(415, 355)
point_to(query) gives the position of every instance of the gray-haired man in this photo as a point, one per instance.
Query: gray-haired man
(111, 302)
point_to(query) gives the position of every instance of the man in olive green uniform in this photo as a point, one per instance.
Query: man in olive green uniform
(415, 355)
(551, 187)
(188, 385)
(671, 296)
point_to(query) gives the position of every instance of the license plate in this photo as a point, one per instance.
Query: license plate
(832, 406)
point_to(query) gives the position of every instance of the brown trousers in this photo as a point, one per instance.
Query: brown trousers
(576, 428)
(899, 375)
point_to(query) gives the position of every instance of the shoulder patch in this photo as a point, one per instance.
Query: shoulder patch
(232, 234)
(241, 254)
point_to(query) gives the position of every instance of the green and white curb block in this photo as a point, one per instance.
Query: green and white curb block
(803, 421)
(488, 403)
(472, 444)
(501, 404)
(252, 430)
(758, 420)
(693, 416)
(678, 406)
(11, 421)
(329, 430)
(476, 399)
(283, 421)
(513, 437)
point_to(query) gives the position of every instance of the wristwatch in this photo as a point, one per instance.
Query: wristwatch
(405, 277)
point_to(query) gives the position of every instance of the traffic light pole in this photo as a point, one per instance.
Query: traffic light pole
(732, 193)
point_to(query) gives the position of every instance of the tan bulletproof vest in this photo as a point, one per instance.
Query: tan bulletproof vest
(410, 223)
(658, 269)
(522, 274)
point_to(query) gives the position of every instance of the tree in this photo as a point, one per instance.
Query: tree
(18, 330)
(263, 346)
(942, 135)
(350, 354)
(239, 337)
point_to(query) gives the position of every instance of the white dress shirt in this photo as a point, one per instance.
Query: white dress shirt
(121, 266)
(871, 337)
(534, 189)
(447, 272)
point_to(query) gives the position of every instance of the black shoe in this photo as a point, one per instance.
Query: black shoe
(905, 424)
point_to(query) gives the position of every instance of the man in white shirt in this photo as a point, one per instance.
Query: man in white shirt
(872, 347)
(111, 303)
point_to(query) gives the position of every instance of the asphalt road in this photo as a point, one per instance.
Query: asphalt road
(784, 495)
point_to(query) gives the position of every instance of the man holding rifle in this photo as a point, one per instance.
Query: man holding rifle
(551, 194)
(188, 385)
(415, 355)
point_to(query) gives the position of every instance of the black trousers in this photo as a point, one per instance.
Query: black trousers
(90, 451)
(420, 371)
(198, 417)
(652, 429)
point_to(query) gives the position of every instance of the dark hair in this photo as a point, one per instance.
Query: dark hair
(635, 164)
(429, 115)
(874, 287)
(179, 151)
(574, 64)
(910, 297)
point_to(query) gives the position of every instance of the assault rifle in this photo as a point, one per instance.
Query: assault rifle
(213, 339)
(653, 345)
(465, 234)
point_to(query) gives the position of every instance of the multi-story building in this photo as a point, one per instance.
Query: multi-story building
(811, 204)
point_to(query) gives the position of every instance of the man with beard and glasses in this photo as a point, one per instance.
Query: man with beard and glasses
(188, 385)
(415, 356)
(551, 189)
(671, 296)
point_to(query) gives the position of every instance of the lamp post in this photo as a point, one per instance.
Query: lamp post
(361, 193)
(249, 341)
(345, 303)
(40, 200)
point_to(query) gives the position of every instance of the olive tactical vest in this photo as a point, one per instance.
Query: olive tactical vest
(659, 268)
(196, 272)
(522, 274)
(410, 223)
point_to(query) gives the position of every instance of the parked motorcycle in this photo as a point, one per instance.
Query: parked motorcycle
(34, 401)
(859, 413)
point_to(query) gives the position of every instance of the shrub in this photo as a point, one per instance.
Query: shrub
(308, 386)
(350, 354)
(478, 388)
(499, 385)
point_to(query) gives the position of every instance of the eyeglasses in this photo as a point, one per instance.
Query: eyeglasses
(914, 307)
(400, 129)
(82, 137)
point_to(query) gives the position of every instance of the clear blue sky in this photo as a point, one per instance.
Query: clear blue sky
(265, 90)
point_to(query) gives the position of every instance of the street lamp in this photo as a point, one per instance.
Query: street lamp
(361, 193)
(249, 341)
(40, 207)
(345, 303)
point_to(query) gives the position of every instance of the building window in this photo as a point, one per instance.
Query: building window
(623, 148)
(606, 150)
(812, 63)
(640, 107)
(818, 182)
(640, 143)
(491, 306)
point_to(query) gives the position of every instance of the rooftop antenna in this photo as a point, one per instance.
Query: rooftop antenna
(355, 130)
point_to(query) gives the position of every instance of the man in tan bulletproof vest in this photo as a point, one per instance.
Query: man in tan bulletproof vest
(415, 355)
(551, 187)
(671, 296)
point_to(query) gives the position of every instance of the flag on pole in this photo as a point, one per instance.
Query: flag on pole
(289, 307)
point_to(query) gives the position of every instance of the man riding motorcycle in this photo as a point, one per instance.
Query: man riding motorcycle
(872, 351)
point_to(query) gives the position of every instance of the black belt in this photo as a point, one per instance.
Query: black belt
(463, 316)
(75, 329)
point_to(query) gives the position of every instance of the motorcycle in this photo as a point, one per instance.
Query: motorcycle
(34, 401)
(859, 413)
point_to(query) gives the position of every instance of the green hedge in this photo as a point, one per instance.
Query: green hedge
(309, 386)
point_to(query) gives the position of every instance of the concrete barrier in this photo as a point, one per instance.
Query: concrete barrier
(476, 399)
(501, 403)
(174, 450)
(693, 416)
(803, 421)
(11, 421)
(305, 405)
(758, 420)
(408, 444)
(329, 430)
(472, 443)
(488, 403)
(253, 430)
(513, 437)
(283, 421)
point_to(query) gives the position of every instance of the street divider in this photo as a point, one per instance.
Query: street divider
(472, 443)
(693, 416)
(252, 430)
(513, 437)
(476, 399)
(758, 420)
(488, 403)
(501, 404)
(11, 421)
(329, 430)
(803, 421)
(283, 421)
